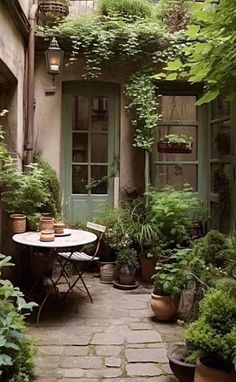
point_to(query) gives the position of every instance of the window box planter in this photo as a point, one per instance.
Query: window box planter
(56, 6)
(177, 148)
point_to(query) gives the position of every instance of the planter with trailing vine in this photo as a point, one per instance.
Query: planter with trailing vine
(178, 144)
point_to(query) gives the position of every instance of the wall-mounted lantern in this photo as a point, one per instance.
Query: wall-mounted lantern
(54, 57)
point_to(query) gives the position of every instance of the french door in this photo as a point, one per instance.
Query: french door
(90, 124)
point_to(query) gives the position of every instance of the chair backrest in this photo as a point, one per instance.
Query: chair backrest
(100, 228)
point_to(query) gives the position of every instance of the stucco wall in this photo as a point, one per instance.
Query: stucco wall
(12, 54)
(48, 125)
(25, 5)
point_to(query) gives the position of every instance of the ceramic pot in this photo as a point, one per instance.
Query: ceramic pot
(164, 307)
(47, 235)
(127, 275)
(184, 372)
(46, 223)
(204, 373)
(59, 228)
(107, 273)
(18, 223)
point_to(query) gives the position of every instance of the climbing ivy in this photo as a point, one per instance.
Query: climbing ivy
(141, 44)
(142, 94)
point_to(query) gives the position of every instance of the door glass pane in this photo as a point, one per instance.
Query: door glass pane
(80, 147)
(100, 114)
(220, 107)
(220, 179)
(178, 108)
(190, 131)
(220, 139)
(97, 179)
(99, 148)
(176, 175)
(79, 179)
(80, 113)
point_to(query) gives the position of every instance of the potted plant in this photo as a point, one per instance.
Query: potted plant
(172, 143)
(183, 371)
(127, 264)
(169, 281)
(211, 339)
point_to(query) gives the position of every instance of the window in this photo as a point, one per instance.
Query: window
(179, 116)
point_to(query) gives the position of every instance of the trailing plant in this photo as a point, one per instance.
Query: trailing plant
(173, 138)
(127, 256)
(142, 92)
(213, 334)
(16, 350)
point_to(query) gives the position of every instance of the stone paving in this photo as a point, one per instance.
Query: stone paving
(115, 339)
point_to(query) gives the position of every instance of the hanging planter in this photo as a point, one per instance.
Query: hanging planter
(178, 144)
(59, 7)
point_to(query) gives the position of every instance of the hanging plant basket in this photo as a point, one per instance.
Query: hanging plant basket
(177, 148)
(58, 7)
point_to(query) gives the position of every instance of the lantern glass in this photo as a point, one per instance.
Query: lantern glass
(54, 57)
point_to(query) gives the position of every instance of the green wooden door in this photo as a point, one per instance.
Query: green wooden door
(90, 126)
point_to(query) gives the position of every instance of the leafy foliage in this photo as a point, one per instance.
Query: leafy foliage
(169, 278)
(173, 211)
(16, 351)
(208, 54)
(214, 333)
(126, 8)
(127, 256)
(173, 138)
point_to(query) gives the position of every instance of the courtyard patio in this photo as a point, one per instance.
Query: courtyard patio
(114, 339)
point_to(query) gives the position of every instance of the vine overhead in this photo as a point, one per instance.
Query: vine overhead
(136, 40)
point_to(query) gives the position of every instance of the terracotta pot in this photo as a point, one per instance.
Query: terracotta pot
(127, 275)
(59, 228)
(164, 307)
(147, 268)
(177, 148)
(18, 222)
(46, 223)
(184, 372)
(205, 373)
(47, 235)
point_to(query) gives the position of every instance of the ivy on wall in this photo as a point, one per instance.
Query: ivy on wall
(141, 44)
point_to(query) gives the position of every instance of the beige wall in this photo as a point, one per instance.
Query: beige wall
(48, 126)
(12, 55)
(25, 5)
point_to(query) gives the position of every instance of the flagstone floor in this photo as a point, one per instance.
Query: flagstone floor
(115, 339)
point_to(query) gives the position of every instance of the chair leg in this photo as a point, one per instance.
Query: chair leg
(80, 277)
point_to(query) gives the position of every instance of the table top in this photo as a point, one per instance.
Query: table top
(75, 238)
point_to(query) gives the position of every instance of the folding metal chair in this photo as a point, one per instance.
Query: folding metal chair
(75, 258)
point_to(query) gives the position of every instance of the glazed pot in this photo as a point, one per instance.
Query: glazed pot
(18, 223)
(183, 371)
(127, 275)
(107, 273)
(46, 223)
(204, 373)
(164, 307)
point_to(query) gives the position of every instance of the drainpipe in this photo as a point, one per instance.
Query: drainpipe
(30, 85)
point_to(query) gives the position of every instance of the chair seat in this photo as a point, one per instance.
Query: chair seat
(77, 256)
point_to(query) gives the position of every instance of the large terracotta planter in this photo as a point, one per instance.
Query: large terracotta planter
(205, 373)
(184, 372)
(164, 307)
(18, 223)
(147, 268)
